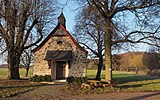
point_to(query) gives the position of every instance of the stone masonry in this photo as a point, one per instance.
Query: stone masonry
(78, 62)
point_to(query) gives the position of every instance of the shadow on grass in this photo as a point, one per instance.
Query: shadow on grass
(138, 81)
(136, 85)
(10, 91)
(27, 86)
(124, 78)
(133, 78)
(34, 87)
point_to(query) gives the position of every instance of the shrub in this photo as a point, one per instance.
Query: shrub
(36, 78)
(77, 80)
(70, 79)
(47, 78)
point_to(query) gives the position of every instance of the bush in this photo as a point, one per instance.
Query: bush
(41, 78)
(70, 79)
(77, 80)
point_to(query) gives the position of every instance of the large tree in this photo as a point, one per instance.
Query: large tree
(18, 20)
(120, 28)
(90, 34)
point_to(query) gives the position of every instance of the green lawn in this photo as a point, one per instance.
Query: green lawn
(10, 88)
(22, 71)
(121, 77)
(124, 82)
(116, 75)
(90, 73)
(130, 82)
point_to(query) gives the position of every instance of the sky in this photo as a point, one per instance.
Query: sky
(69, 11)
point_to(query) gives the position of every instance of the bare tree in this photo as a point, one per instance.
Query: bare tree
(116, 13)
(3, 50)
(18, 19)
(26, 60)
(89, 33)
(27, 57)
(2, 47)
(151, 59)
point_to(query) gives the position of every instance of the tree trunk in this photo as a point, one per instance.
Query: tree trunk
(13, 65)
(136, 70)
(27, 70)
(108, 56)
(100, 65)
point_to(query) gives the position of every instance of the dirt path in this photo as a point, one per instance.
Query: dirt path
(54, 92)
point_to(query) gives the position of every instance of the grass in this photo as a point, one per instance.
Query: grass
(147, 85)
(22, 72)
(10, 88)
(124, 82)
(91, 74)
(130, 82)
(3, 72)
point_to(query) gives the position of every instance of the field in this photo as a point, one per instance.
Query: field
(22, 71)
(124, 82)
(90, 73)
(122, 77)
(116, 74)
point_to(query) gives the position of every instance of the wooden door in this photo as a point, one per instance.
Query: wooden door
(60, 69)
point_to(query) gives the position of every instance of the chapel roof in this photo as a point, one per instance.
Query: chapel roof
(59, 26)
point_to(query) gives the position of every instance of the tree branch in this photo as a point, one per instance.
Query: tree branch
(28, 32)
(113, 3)
(4, 33)
(3, 51)
(94, 2)
(141, 6)
(141, 40)
(37, 41)
(89, 48)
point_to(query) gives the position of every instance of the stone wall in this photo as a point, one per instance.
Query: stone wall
(78, 63)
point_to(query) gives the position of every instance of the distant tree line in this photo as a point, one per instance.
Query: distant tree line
(136, 61)
(139, 62)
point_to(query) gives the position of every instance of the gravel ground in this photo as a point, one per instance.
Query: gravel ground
(55, 92)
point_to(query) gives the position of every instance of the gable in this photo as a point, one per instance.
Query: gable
(59, 31)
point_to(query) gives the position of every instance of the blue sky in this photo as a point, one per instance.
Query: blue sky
(69, 11)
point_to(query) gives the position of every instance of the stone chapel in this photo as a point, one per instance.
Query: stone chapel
(59, 54)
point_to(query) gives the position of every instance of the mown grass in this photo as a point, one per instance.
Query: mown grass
(147, 85)
(13, 87)
(10, 88)
(92, 74)
(3, 72)
(130, 82)
(123, 82)
(128, 87)
(119, 77)
(22, 72)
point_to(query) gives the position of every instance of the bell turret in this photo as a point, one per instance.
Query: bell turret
(62, 20)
